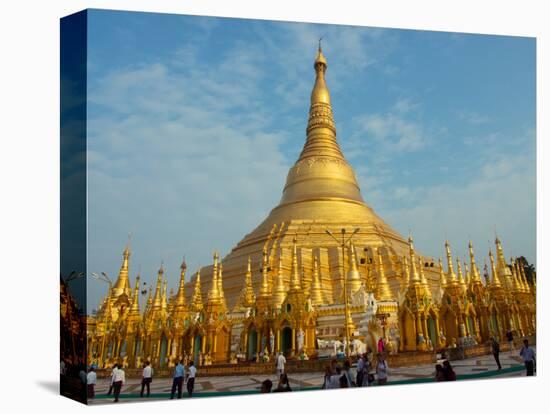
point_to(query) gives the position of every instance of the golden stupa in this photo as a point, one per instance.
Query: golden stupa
(321, 192)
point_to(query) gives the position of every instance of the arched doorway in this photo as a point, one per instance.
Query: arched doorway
(286, 340)
(252, 344)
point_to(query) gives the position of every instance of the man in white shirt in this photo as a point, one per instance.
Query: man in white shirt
(91, 380)
(191, 373)
(147, 378)
(528, 355)
(281, 361)
(115, 367)
(119, 378)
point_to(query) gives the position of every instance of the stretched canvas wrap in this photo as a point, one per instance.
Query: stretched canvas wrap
(255, 206)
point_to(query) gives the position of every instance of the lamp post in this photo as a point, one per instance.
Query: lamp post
(347, 316)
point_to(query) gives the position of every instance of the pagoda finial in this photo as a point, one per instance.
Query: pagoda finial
(460, 278)
(354, 278)
(135, 299)
(157, 301)
(316, 293)
(295, 283)
(495, 282)
(279, 293)
(264, 287)
(451, 276)
(415, 278)
(180, 296)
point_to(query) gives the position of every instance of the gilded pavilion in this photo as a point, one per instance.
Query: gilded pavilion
(292, 286)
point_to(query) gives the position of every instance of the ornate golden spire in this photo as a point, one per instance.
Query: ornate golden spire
(442, 278)
(164, 296)
(157, 301)
(475, 271)
(422, 275)
(180, 296)
(495, 282)
(196, 301)
(295, 283)
(122, 284)
(248, 298)
(134, 310)
(460, 279)
(516, 283)
(214, 293)
(451, 276)
(415, 278)
(467, 276)
(316, 294)
(383, 292)
(279, 293)
(354, 278)
(220, 284)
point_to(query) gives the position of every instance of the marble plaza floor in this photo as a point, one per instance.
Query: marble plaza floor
(473, 368)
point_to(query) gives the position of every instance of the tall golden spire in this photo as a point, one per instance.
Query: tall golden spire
(220, 284)
(422, 275)
(495, 282)
(264, 287)
(122, 284)
(157, 301)
(475, 277)
(415, 278)
(180, 296)
(383, 292)
(460, 278)
(248, 298)
(279, 292)
(316, 294)
(467, 275)
(214, 293)
(164, 296)
(196, 301)
(515, 279)
(134, 310)
(451, 276)
(295, 283)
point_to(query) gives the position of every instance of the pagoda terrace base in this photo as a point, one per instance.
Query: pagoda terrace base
(404, 359)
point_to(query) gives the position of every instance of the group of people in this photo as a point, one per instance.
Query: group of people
(180, 376)
(367, 373)
(526, 353)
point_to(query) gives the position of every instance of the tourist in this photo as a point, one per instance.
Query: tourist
(510, 339)
(360, 371)
(381, 347)
(334, 381)
(528, 355)
(115, 367)
(146, 378)
(439, 373)
(449, 373)
(91, 380)
(179, 372)
(283, 385)
(326, 380)
(347, 374)
(191, 373)
(382, 369)
(266, 386)
(118, 381)
(495, 346)
(281, 361)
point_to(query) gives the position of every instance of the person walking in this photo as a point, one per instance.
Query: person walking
(91, 380)
(360, 370)
(191, 373)
(177, 382)
(510, 339)
(382, 370)
(326, 381)
(528, 355)
(115, 367)
(495, 346)
(266, 386)
(439, 373)
(283, 385)
(146, 378)
(347, 374)
(281, 361)
(119, 378)
(448, 371)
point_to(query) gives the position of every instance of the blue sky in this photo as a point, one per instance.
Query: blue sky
(194, 122)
